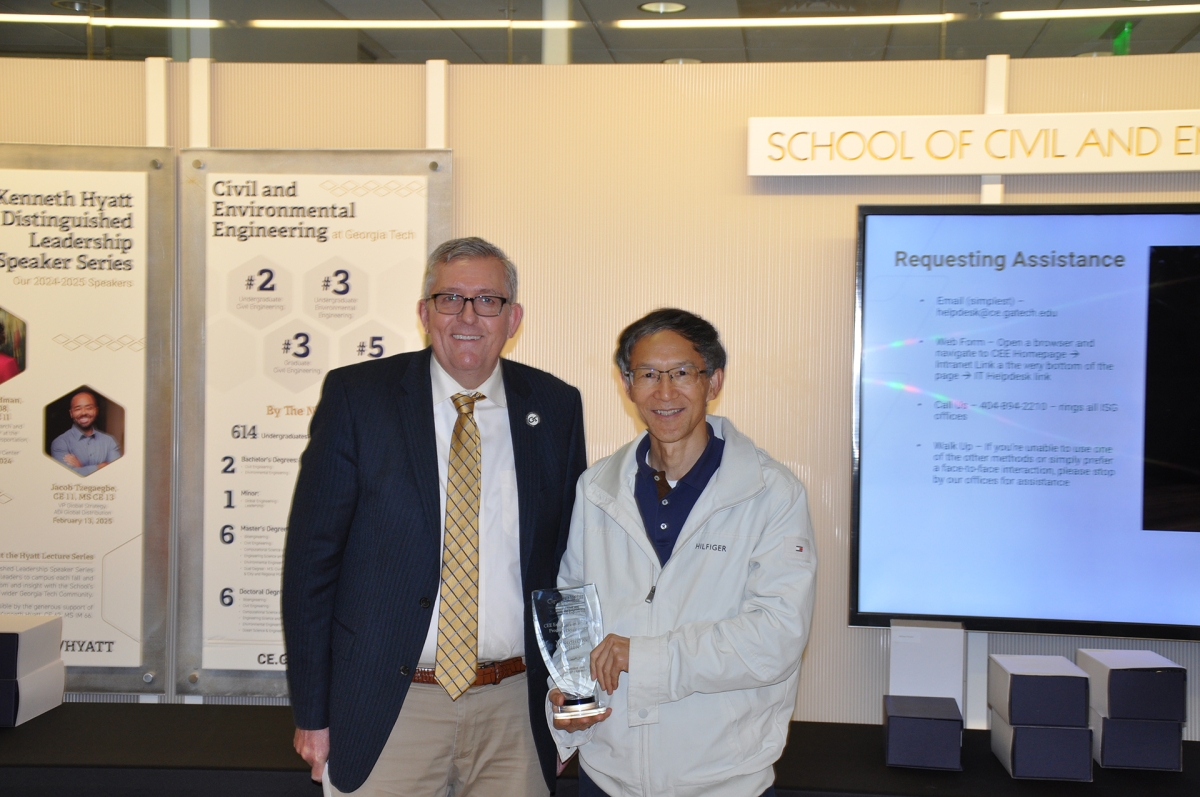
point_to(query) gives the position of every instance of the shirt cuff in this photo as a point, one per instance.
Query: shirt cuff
(567, 742)
(647, 678)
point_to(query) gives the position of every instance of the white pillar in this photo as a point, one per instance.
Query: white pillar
(156, 102)
(995, 101)
(435, 104)
(927, 660)
(976, 715)
(556, 43)
(199, 103)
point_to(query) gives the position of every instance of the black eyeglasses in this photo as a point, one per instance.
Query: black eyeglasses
(453, 304)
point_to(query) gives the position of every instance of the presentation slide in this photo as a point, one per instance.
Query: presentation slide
(1029, 439)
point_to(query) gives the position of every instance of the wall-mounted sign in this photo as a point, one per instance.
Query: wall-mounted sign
(1064, 143)
(306, 272)
(81, 414)
(308, 262)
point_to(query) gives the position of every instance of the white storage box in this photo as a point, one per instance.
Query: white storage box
(34, 693)
(1038, 690)
(27, 643)
(1135, 684)
(1136, 744)
(1042, 752)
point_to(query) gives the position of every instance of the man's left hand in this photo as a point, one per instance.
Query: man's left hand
(609, 659)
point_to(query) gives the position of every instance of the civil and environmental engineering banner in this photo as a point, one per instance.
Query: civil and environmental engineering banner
(305, 273)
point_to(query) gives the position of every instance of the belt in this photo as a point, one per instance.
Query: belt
(491, 673)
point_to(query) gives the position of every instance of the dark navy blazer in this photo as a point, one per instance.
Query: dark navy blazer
(363, 558)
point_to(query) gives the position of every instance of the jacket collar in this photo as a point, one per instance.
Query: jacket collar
(738, 479)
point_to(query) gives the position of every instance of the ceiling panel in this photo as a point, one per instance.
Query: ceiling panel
(800, 39)
(729, 55)
(598, 41)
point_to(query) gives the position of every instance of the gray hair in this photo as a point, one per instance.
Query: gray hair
(470, 247)
(696, 330)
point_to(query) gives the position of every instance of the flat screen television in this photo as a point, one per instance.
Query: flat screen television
(1027, 418)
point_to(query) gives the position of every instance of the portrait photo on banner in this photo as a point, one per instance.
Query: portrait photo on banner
(84, 430)
(12, 345)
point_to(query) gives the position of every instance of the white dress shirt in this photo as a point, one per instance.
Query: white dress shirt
(501, 604)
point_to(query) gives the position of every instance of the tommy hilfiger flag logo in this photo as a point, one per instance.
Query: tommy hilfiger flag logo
(799, 549)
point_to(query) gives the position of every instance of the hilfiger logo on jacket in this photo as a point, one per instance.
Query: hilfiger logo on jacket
(711, 546)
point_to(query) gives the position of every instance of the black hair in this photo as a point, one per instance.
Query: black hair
(696, 330)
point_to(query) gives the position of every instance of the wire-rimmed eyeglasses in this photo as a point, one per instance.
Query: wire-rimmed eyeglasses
(684, 376)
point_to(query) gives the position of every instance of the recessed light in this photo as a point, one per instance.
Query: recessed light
(662, 8)
(683, 61)
(74, 5)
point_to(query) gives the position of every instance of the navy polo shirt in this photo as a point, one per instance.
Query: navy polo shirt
(665, 510)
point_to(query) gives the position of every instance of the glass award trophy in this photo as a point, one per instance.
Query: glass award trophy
(568, 626)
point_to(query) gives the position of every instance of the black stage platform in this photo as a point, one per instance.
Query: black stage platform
(132, 750)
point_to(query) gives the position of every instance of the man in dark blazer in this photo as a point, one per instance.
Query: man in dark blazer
(365, 576)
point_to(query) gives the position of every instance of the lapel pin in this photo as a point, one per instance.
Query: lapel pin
(533, 419)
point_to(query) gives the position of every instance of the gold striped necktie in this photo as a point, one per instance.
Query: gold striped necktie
(458, 619)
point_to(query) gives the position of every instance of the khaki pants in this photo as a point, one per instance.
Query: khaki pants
(477, 746)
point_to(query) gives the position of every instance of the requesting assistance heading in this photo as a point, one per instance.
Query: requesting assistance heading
(999, 262)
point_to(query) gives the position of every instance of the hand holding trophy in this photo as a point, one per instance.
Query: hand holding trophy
(568, 627)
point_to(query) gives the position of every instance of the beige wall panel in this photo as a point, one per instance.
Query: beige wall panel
(177, 104)
(1106, 188)
(318, 106)
(61, 101)
(1128, 83)
(619, 189)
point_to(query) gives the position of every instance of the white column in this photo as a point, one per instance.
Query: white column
(199, 103)
(995, 101)
(976, 715)
(435, 104)
(556, 44)
(156, 102)
(926, 659)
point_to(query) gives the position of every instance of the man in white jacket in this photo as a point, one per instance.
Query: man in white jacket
(701, 550)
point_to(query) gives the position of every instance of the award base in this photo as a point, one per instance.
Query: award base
(578, 708)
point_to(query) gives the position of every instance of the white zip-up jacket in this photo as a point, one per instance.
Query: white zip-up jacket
(714, 653)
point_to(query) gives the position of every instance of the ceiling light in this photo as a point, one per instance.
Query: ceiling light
(797, 22)
(112, 22)
(1092, 13)
(683, 61)
(155, 22)
(74, 5)
(662, 8)
(326, 24)
(417, 24)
